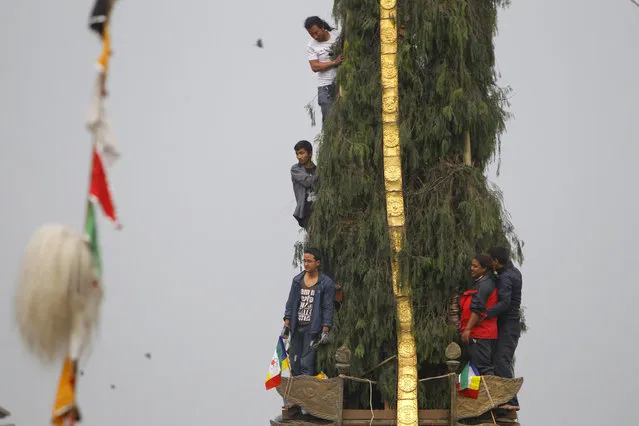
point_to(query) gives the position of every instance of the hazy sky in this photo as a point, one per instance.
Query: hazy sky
(200, 273)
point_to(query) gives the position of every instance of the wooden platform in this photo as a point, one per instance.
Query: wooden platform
(294, 417)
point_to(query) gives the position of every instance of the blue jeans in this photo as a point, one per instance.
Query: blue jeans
(302, 354)
(325, 98)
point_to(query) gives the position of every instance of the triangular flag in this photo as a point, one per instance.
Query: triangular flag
(100, 190)
(65, 409)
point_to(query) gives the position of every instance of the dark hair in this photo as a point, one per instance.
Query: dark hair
(484, 260)
(500, 254)
(315, 252)
(316, 20)
(304, 145)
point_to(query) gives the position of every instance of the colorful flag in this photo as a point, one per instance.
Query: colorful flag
(99, 16)
(99, 23)
(279, 364)
(100, 190)
(469, 381)
(92, 233)
(64, 409)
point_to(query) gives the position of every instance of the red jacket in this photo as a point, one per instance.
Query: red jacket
(471, 301)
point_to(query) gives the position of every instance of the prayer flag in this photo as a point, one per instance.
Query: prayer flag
(92, 233)
(99, 15)
(64, 409)
(99, 189)
(469, 381)
(279, 363)
(99, 23)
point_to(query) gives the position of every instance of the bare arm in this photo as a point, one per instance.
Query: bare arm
(318, 66)
(472, 321)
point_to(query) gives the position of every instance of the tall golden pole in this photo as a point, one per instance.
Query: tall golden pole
(407, 411)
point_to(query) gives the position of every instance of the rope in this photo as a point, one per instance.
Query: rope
(381, 363)
(370, 401)
(492, 403)
(437, 377)
(357, 379)
(288, 387)
(370, 387)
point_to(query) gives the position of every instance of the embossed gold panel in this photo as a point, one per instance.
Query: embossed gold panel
(407, 413)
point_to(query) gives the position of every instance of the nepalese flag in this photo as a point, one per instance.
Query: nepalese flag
(279, 364)
(469, 381)
(99, 189)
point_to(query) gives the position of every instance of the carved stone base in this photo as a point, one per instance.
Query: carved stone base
(322, 398)
(294, 417)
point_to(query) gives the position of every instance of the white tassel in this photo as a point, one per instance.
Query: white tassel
(56, 297)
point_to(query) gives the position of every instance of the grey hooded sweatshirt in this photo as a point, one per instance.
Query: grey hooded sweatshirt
(302, 185)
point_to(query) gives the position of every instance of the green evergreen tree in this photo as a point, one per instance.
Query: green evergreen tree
(447, 87)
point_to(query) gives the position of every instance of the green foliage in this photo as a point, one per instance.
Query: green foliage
(447, 87)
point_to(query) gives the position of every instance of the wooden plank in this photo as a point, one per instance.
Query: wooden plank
(392, 414)
(389, 422)
(426, 418)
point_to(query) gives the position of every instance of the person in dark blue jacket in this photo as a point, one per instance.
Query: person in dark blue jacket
(308, 316)
(506, 310)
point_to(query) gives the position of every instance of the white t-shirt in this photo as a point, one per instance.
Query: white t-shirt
(322, 51)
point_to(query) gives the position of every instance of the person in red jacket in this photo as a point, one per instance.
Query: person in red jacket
(478, 332)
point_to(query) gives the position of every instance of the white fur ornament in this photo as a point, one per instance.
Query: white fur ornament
(58, 296)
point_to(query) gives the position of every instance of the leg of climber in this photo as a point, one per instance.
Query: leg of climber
(325, 99)
(480, 352)
(509, 332)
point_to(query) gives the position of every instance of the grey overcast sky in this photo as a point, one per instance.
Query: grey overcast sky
(207, 121)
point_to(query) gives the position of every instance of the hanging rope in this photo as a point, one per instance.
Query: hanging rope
(490, 398)
(288, 387)
(370, 387)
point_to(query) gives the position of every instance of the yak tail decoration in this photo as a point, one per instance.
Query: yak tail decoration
(58, 296)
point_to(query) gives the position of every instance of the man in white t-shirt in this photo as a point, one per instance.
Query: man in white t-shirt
(320, 52)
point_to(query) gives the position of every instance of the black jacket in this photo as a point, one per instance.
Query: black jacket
(485, 287)
(509, 282)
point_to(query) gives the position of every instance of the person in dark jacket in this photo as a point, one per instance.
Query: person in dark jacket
(308, 316)
(304, 177)
(479, 333)
(506, 311)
